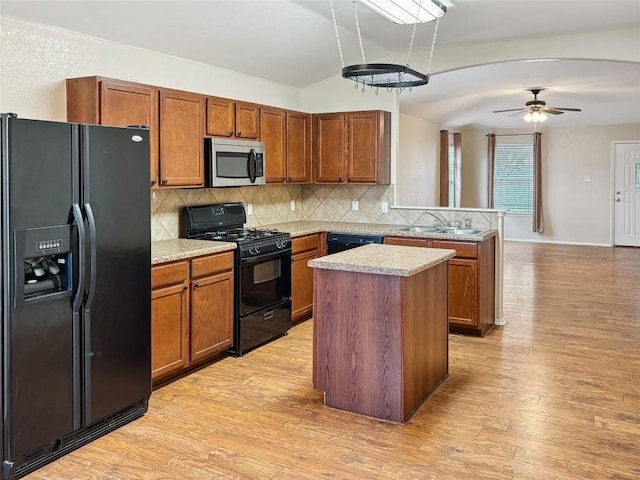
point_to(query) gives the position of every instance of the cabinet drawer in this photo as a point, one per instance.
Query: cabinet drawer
(463, 249)
(406, 241)
(169, 274)
(303, 244)
(211, 264)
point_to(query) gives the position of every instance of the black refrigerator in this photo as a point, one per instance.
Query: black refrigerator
(76, 283)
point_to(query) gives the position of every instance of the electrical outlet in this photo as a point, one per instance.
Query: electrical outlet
(587, 178)
(385, 207)
(293, 205)
(354, 205)
(250, 209)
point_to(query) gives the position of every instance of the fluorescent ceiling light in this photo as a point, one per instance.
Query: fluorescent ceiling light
(408, 11)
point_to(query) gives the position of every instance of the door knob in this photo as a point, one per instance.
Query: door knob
(617, 199)
(618, 192)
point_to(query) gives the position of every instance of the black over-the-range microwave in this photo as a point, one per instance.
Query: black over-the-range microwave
(231, 162)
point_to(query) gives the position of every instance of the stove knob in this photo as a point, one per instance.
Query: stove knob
(257, 247)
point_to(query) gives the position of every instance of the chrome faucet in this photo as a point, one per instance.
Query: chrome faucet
(439, 219)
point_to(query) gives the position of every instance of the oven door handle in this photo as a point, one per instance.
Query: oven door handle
(282, 254)
(252, 166)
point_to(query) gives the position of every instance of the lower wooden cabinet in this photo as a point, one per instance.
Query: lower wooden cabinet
(471, 282)
(169, 318)
(191, 313)
(303, 249)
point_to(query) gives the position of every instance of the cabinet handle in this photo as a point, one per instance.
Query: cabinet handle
(184, 287)
(196, 284)
(288, 179)
(239, 134)
(164, 181)
(153, 182)
(339, 179)
(230, 132)
(348, 179)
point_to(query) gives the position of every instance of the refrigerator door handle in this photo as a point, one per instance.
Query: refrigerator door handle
(77, 215)
(92, 255)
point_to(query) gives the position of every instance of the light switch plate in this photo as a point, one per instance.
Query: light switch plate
(587, 178)
(354, 205)
(250, 209)
(293, 205)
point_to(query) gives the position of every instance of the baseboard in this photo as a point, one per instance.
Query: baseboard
(560, 242)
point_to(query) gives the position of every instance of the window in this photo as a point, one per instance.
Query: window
(452, 176)
(513, 178)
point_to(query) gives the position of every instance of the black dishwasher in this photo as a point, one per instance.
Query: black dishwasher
(338, 242)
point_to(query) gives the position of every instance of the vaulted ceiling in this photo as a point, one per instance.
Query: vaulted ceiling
(293, 42)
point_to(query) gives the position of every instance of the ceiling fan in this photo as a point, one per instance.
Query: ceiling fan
(536, 110)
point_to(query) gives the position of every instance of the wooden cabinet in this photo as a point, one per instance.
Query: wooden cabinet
(471, 282)
(287, 139)
(175, 120)
(121, 104)
(407, 241)
(181, 138)
(230, 118)
(353, 147)
(191, 313)
(169, 318)
(211, 305)
(303, 249)
(471, 286)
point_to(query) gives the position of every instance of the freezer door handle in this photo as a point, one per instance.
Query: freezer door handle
(77, 215)
(91, 221)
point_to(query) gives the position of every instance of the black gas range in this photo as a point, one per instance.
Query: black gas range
(262, 287)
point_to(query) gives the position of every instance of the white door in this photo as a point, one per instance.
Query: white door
(627, 194)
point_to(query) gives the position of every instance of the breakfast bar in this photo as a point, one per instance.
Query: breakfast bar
(380, 339)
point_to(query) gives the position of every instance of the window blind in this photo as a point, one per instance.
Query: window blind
(513, 178)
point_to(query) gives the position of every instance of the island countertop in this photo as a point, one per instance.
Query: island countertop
(383, 259)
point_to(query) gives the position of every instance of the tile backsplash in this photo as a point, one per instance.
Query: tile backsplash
(272, 204)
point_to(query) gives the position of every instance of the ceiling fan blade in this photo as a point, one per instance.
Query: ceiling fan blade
(517, 113)
(511, 110)
(566, 109)
(552, 111)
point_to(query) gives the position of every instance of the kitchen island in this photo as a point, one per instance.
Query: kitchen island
(380, 340)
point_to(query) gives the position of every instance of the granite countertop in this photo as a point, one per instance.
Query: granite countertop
(179, 249)
(384, 260)
(307, 227)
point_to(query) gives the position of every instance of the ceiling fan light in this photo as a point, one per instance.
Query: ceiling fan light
(543, 117)
(527, 117)
(408, 12)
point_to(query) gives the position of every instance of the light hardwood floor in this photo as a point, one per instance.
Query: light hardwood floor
(554, 394)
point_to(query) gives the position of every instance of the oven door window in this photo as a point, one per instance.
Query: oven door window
(264, 283)
(232, 165)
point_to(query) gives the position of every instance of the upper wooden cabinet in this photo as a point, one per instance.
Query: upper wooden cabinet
(181, 138)
(175, 120)
(229, 118)
(353, 147)
(287, 139)
(120, 104)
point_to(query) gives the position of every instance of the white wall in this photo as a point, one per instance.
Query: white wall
(36, 59)
(575, 211)
(417, 167)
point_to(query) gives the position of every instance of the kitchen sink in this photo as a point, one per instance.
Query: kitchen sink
(422, 229)
(464, 231)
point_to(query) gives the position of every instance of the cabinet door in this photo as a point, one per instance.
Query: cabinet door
(298, 150)
(463, 292)
(272, 125)
(301, 285)
(181, 138)
(330, 148)
(247, 120)
(211, 315)
(221, 117)
(126, 105)
(169, 329)
(362, 155)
